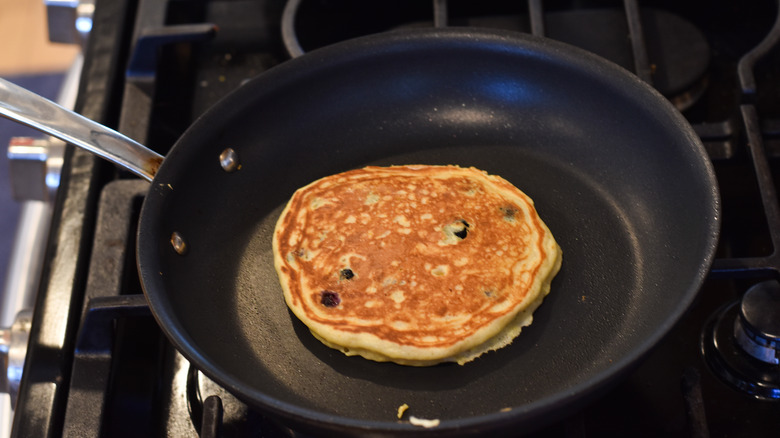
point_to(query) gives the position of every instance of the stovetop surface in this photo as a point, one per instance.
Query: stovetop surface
(145, 388)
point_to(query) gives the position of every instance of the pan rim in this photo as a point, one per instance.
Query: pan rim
(354, 49)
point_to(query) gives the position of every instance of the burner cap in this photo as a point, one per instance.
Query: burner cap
(758, 328)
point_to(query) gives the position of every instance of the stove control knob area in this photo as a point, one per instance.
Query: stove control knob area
(757, 329)
(13, 350)
(35, 166)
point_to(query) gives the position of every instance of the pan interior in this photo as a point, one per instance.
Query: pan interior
(613, 174)
(508, 378)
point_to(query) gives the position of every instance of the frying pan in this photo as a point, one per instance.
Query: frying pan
(617, 174)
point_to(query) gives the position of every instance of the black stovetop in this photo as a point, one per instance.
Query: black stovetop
(99, 366)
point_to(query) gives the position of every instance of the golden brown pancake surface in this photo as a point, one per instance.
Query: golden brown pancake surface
(414, 264)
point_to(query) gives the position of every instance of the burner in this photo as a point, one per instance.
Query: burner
(740, 342)
(678, 51)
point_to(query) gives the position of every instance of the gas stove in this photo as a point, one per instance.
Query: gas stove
(98, 365)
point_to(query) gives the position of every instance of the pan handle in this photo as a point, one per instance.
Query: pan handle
(28, 108)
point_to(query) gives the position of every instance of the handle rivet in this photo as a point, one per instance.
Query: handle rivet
(179, 244)
(228, 159)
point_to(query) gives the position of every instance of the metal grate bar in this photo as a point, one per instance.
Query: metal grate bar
(536, 14)
(440, 13)
(638, 47)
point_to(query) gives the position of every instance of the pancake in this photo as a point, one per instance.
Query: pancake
(414, 264)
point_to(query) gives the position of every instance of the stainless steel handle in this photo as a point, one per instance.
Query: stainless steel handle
(26, 107)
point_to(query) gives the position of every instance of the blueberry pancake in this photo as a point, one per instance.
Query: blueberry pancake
(414, 264)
